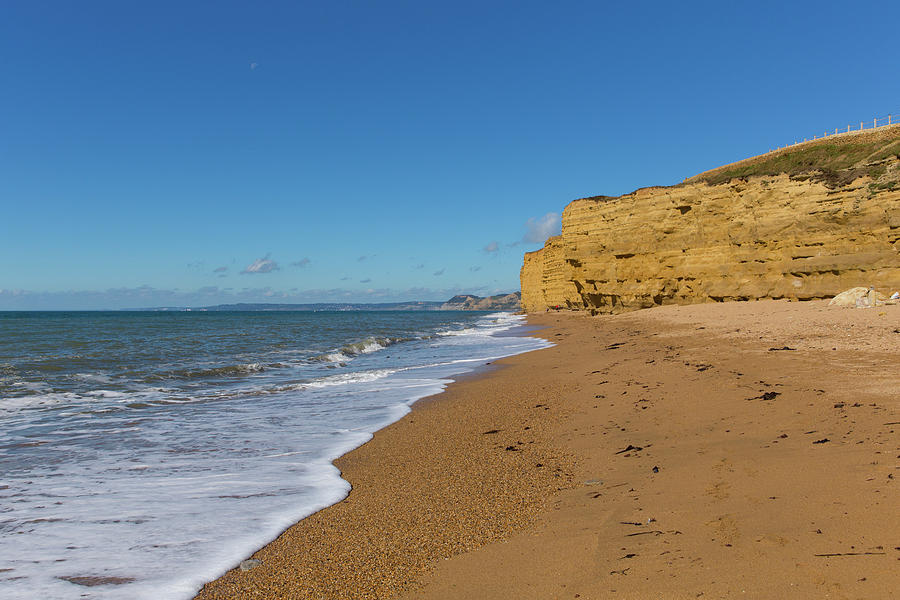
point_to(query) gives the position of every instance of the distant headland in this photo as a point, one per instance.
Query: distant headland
(500, 302)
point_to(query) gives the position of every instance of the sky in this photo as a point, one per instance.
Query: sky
(197, 153)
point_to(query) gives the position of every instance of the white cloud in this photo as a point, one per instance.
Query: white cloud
(261, 265)
(540, 228)
(492, 247)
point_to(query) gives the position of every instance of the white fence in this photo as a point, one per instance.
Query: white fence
(874, 123)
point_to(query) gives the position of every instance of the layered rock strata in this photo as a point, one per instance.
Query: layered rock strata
(770, 236)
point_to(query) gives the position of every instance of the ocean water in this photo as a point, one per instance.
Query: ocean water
(145, 453)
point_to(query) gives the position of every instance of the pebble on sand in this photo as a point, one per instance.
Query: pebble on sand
(248, 564)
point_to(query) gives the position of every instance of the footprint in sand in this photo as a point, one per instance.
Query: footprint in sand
(725, 529)
(718, 490)
(723, 465)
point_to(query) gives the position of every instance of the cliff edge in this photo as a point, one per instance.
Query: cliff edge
(804, 222)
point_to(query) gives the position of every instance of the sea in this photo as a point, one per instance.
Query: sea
(143, 454)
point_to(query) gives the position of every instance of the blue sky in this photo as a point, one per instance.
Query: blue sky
(191, 153)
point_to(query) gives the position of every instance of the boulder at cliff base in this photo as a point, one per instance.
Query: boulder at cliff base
(857, 297)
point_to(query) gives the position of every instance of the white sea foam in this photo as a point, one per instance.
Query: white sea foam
(349, 378)
(36, 386)
(460, 332)
(16, 403)
(107, 394)
(94, 377)
(366, 346)
(350, 351)
(171, 485)
(335, 357)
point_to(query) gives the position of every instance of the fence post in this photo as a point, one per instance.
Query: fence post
(848, 129)
(875, 123)
(860, 125)
(889, 119)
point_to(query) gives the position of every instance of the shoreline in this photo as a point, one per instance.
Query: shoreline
(515, 474)
(357, 548)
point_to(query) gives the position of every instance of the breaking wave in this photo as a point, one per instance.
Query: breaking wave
(226, 371)
(366, 346)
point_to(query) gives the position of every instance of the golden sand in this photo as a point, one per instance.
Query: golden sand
(742, 450)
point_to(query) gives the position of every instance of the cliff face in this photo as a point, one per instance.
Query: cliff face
(760, 236)
(502, 302)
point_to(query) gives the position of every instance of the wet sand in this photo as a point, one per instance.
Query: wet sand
(723, 450)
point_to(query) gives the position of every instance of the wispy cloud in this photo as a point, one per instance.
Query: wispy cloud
(367, 280)
(475, 269)
(220, 270)
(419, 266)
(491, 248)
(261, 265)
(253, 66)
(439, 272)
(362, 258)
(303, 262)
(540, 228)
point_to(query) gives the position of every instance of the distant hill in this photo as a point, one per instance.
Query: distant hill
(502, 302)
(470, 302)
(322, 306)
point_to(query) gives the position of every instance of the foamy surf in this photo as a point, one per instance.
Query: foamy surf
(145, 477)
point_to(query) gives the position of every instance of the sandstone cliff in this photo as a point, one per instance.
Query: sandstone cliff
(806, 222)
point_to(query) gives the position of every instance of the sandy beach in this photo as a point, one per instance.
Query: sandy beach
(734, 450)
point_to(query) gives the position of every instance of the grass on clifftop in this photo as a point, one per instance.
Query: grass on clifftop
(834, 161)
